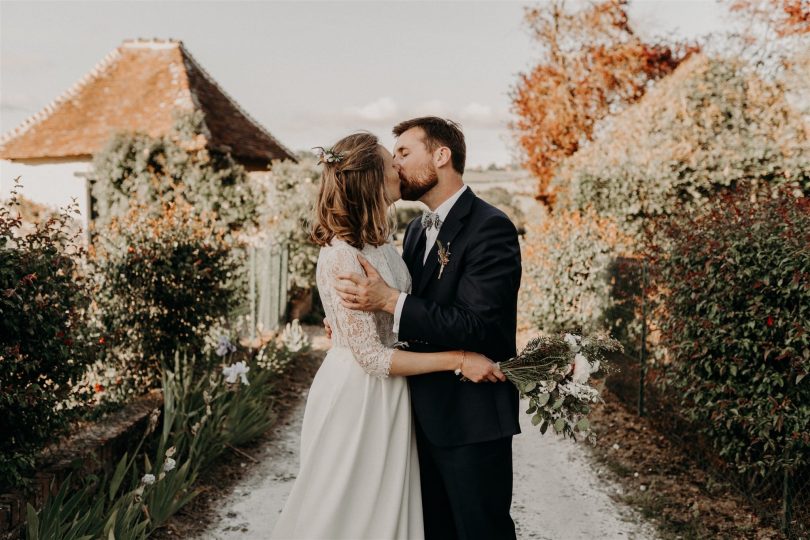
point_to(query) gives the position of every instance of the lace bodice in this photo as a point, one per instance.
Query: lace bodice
(370, 336)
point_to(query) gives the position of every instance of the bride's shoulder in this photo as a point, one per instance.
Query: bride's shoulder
(337, 251)
(336, 245)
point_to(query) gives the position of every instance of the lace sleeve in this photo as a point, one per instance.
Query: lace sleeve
(358, 328)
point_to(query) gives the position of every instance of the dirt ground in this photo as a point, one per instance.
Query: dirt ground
(661, 480)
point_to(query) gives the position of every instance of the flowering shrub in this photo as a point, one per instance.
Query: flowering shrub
(43, 335)
(162, 282)
(734, 304)
(566, 263)
(707, 128)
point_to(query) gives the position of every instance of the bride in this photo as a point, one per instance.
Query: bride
(359, 472)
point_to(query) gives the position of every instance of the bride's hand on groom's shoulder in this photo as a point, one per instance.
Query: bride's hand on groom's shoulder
(478, 368)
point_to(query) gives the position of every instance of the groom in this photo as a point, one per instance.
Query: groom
(464, 258)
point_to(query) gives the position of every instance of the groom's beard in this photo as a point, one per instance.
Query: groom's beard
(412, 189)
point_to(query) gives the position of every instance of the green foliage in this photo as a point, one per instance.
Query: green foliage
(567, 262)
(202, 416)
(734, 312)
(710, 126)
(286, 216)
(163, 280)
(135, 168)
(43, 335)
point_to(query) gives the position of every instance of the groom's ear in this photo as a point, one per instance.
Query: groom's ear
(441, 156)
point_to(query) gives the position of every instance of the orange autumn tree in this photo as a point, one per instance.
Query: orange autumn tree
(592, 64)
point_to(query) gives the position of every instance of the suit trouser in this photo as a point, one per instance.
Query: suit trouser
(466, 490)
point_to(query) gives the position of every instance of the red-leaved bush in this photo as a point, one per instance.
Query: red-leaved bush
(733, 305)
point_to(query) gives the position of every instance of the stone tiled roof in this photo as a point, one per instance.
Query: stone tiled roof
(139, 87)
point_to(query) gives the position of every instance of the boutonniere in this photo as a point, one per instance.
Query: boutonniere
(444, 256)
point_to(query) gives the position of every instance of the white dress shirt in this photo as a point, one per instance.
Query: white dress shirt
(430, 238)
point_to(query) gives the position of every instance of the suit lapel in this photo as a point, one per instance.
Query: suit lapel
(450, 228)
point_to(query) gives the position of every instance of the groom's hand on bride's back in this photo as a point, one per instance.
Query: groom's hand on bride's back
(366, 293)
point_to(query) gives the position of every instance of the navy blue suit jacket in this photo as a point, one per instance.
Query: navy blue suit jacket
(473, 306)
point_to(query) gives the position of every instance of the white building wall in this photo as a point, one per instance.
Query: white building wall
(52, 182)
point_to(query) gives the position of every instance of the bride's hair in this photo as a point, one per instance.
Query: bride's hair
(352, 204)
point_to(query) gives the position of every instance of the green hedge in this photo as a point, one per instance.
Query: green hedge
(734, 313)
(568, 260)
(162, 283)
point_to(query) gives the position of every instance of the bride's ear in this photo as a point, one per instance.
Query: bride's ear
(441, 156)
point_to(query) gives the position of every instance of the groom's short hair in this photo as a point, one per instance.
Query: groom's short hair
(439, 132)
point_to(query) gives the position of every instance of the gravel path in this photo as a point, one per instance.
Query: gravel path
(558, 494)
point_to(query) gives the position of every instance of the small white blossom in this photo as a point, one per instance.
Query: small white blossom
(581, 391)
(294, 337)
(582, 368)
(238, 369)
(573, 342)
(148, 479)
(169, 465)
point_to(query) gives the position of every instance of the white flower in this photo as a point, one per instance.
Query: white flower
(572, 341)
(294, 337)
(238, 369)
(169, 464)
(582, 368)
(580, 391)
(148, 479)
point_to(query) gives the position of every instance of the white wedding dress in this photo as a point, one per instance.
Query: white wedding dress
(359, 470)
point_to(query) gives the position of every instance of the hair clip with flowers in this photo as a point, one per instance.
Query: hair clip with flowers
(327, 155)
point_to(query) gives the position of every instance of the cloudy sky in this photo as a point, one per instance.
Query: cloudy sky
(313, 71)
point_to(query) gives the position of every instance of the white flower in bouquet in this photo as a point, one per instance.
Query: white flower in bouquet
(169, 465)
(572, 341)
(237, 370)
(148, 479)
(580, 391)
(552, 372)
(582, 368)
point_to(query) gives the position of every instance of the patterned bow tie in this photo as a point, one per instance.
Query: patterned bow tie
(431, 219)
